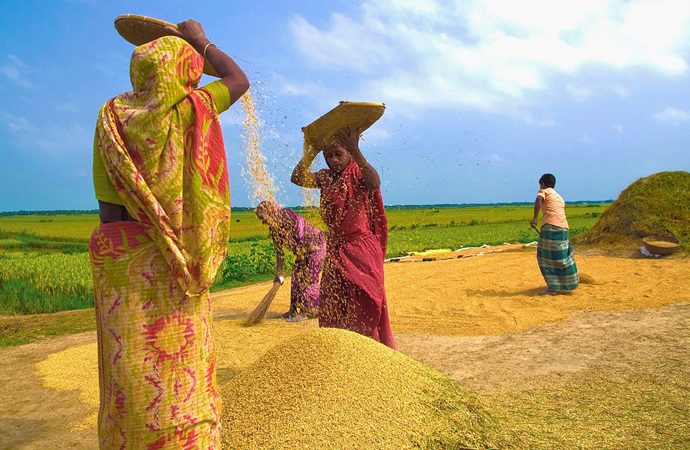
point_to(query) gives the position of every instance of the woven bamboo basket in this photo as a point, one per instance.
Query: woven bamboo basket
(661, 245)
(360, 115)
(140, 30)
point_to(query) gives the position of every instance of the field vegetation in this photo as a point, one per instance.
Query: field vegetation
(44, 264)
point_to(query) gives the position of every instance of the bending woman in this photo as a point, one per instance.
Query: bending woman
(161, 178)
(554, 252)
(353, 294)
(292, 231)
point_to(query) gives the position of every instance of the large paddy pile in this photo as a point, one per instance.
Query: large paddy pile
(655, 205)
(330, 386)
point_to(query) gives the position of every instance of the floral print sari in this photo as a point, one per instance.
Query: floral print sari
(163, 151)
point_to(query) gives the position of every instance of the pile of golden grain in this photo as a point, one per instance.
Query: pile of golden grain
(333, 388)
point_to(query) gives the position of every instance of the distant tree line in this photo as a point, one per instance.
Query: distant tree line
(72, 212)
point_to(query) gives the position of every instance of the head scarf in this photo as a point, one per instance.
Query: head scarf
(163, 150)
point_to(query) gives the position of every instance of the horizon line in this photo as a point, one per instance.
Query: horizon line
(29, 212)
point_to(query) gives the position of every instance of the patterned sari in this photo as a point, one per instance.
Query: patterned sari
(353, 295)
(163, 151)
(308, 244)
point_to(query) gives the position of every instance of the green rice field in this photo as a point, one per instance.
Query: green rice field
(44, 263)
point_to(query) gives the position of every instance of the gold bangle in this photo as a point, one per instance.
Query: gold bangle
(206, 48)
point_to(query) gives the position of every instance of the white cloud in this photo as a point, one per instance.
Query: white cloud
(586, 139)
(55, 139)
(617, 127)
(672, 115)
(620, 91)
(345, 44)
(543, 122)
(16, 124)
(579, 93)
(293, 88)
(17, 71)
(492, 54)
(375, 135)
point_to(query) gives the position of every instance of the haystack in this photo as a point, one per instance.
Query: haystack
(330, 388)
(655, 205)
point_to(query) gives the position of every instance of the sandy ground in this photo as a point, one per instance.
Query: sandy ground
(478, 319)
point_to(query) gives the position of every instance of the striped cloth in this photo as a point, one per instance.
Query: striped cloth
(555, 257)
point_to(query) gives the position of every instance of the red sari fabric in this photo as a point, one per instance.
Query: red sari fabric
(353, 294)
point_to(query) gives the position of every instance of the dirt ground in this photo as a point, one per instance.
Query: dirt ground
(478, 319)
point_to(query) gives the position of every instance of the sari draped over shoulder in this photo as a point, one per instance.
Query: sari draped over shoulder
(163, 150)
(353, 294)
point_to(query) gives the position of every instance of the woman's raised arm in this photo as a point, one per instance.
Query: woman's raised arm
(301, 175)
(230, 73)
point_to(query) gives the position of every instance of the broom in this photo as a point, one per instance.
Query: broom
(259, 312)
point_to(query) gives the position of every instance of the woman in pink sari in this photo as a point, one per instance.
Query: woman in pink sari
(161, 178)
(353, 294)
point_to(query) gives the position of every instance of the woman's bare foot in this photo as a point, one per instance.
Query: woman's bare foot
(290, 313)
(297, 317)
(311, 313)
(548, 291)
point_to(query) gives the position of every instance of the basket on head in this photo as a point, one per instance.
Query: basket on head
(360, 115)
(661, 245)
(140, 30)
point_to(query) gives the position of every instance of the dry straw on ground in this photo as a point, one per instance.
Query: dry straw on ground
(655, 205)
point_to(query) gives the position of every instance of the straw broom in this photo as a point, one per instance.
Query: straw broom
(260, 311)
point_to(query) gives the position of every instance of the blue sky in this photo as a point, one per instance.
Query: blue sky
(482, 96)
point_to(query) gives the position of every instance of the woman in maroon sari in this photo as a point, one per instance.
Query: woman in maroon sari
(353, 295)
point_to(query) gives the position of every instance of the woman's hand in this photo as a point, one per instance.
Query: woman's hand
(230, 73)
(349, 138)
(301, 174)
(191, 31)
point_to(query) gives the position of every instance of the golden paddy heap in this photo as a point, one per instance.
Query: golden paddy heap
(317, 388)
(329, 386)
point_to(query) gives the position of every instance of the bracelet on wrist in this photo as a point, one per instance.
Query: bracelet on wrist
(206, 48)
